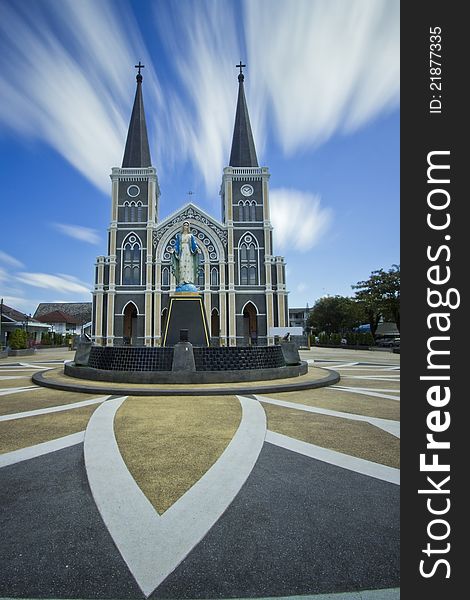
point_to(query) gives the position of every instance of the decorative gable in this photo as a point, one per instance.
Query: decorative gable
(191, 213)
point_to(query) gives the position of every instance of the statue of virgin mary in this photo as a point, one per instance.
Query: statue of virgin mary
(185, 260)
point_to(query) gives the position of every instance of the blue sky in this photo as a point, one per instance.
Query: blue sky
(322, 86)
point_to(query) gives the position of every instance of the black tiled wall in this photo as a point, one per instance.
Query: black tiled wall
(238, 358)
(131, 359)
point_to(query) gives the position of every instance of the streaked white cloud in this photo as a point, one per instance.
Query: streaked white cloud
(26, 305)
(84, 234)
(203, 52)
(66, 78)
(298, 219)
(11, 261)
(59, 283)
(314, 68)
(323, 66)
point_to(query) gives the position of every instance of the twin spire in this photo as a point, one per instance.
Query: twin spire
(137, 151)
(243, 152)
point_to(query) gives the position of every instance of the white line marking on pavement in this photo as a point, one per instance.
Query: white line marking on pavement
(8, 391)
(359, 465)
(52, 409)
(387, 425)
(385, 377)
(5, 377)
(375, 368)
(364, 393)
(16, 369)
(341, 366)
(363, 389)
(392, 378)
(154, 545)
(11, 458)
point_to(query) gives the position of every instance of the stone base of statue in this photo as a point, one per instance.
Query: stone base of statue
(186, 311)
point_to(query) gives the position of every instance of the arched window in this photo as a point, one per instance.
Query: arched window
(246, 211)
(139, 212)
(136, 275)
(214, 276)
(165, 276)
(240, 211)
(253, 211)
(248, 257)
(132, 212)
(126, 212)
(131, 268)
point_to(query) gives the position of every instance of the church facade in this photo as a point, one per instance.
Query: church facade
(240, 280)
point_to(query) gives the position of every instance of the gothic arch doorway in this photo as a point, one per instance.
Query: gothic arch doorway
(215, 323)
(130, 324)
(250, 325)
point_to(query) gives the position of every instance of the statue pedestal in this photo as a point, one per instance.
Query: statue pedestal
(186, 311)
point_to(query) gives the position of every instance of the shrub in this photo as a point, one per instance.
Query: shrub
(18, 339)
(46, 339)
(351, 338)
(335, 339)
(365, 339)
(58, 339)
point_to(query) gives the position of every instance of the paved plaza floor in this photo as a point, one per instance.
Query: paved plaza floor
(281, 494)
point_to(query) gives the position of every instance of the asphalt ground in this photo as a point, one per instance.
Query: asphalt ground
(298, 526)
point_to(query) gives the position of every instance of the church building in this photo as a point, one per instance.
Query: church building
(240, 280)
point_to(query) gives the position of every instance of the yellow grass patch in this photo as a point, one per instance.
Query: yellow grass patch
(343, 435)
(168, 443)
(22, 381)
(39, 398)
(334, 399)
(29, 431)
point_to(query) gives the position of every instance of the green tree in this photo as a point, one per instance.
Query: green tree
(335, 314)
(380, 296)
(18, 339)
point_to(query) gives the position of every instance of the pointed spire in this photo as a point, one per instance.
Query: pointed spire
(137, 152)
(243, 152)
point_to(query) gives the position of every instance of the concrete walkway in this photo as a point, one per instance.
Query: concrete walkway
(273, 517)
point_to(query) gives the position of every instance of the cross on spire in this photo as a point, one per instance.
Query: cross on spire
(240, 66)
(139, 66)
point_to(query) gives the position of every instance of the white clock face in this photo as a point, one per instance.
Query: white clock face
(133, 191)
(246, 190)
